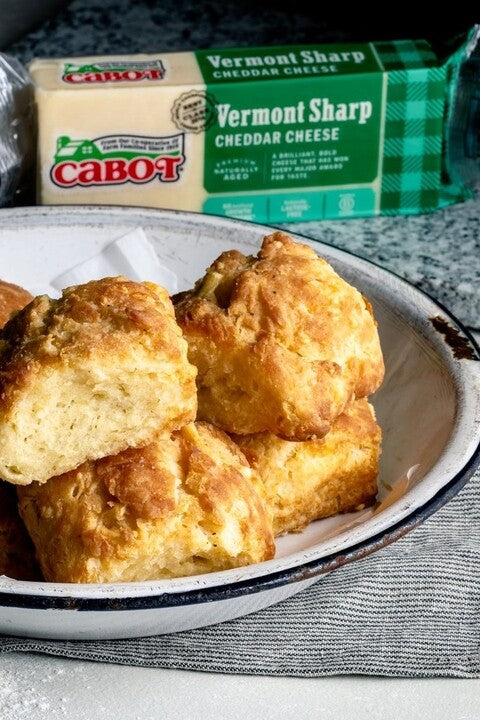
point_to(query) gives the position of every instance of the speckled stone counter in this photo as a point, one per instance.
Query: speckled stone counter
(439, 253)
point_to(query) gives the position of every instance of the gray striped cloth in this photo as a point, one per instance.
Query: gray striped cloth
(409, 610)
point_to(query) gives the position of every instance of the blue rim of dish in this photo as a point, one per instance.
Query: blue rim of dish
(299, 573)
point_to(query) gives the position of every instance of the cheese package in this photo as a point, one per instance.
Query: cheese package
(274, 134)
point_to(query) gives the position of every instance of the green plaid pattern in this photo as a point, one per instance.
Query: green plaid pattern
(405, 54)
(413, 141)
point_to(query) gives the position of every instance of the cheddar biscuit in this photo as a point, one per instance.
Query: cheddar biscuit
(281, 342)
(12, 298)
(182, 505)
(305, 481)
(101, 369)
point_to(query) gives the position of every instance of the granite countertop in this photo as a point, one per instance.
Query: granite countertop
(93, 27)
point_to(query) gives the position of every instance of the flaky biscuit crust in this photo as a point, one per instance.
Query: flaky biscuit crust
(305, 481)
(281, 342)
(183, 505)
(101, 317)
(12, 298)
(100, 369)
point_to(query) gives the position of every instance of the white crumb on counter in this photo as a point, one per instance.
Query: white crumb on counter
(28, 698)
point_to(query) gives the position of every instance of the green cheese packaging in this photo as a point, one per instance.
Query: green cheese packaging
(272, 134)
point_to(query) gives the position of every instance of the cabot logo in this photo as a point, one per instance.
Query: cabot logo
(117, 159)
(113, 71)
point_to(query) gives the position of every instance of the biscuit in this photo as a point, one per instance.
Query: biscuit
(183, 505)
(281, 342)
(17, 553)
(12, 298)
(305, 481)
(101, 369)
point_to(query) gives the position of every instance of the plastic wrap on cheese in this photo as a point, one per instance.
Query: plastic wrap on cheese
(17, 132)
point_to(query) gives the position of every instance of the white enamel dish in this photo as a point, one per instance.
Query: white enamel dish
(428, 408)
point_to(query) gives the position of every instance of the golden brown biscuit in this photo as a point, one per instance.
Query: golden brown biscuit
(280, 341)
(17, 553)
(183, 505)
(12, 298)
(99, 370)
(306, 481)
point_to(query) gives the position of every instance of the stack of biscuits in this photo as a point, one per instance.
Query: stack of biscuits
(153, 437)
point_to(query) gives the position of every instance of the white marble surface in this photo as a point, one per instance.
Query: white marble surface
(37, 687)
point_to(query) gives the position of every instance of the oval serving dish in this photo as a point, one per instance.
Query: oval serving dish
(428, 408)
